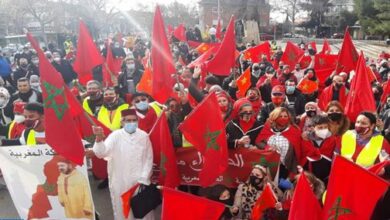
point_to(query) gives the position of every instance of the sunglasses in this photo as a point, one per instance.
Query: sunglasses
(139, 100)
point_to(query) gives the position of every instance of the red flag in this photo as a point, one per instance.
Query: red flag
(325, 61)
(307, 86)
(58, 113)
(326, 49)
(162, 62)
(348, 56)
(178, 205)
(170, 29)
(180, 33)
(164, 153)
(292, 54)
(360, 97)
(111, 68)
(254, 53)
(304, 62)
(204, 57)
(205, 129)
(266, 200)
(313, 45)
(225, 58)
(352, 191)
(218, 34)
(386, 92)
(145, 84)
(87, 56)
(379, 166)
(126, 200)
(323, 74)
(244, 82)
(305, 204)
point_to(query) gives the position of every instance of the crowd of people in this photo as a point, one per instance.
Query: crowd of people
(307, 130)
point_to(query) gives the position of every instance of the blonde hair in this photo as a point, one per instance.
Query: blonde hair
(276, 114)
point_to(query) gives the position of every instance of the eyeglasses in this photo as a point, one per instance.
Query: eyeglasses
(139, 100)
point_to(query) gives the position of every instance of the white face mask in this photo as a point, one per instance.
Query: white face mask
(19, 119)
(35, 84)
(323, 133)
(3, 101)
(57, 59)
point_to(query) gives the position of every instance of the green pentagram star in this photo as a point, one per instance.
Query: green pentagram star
(338, 210)
(263, 162)
(49, 102)
(211, 138)
(292, 56)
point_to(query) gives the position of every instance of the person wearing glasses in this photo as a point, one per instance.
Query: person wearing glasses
(147, 111)
(278, 97)
(282, 135)
(243, 129)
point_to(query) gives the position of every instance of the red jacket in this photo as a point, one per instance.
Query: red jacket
(327, 94)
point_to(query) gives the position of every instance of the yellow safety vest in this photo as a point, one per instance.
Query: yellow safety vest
(31, 138)
(156, 107)
(369, 153)
(11, 126)
(86, 106)
(104, 117)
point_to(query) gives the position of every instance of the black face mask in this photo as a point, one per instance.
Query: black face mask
(338, 86)
(255, 181)
(228, 201)
(311, 113)
(335, 116)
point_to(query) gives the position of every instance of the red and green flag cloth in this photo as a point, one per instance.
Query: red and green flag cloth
(266, 200)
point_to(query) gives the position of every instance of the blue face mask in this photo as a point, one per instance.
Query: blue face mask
(130, 127)
(142, 105)
(290, 89)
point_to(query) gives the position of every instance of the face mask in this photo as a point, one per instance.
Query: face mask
(277, 100)
(224, 108)
(282, 121)
(323, 133)
(310, 75)
(335, 116)
(253, 98)
(311, 113)
(362, 130)
(24, 65)
(339, 85)
(94, 95)
(255, 181)
(57, 59)
(142, 105)
(290, 89)
(130, 66)
(130, 127)
(35, 62)
(116, 45)
(109, 100)
(19, 119)
(228, 201)
(30, 123)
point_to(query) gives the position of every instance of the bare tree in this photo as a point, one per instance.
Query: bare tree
(291, 8)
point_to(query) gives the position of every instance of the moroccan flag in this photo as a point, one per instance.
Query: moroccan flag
(266, 200)
(87, 56)
(58, 115)
(305, 204)
(307, 86)
(164, 153)
(313, 45)
(292, 54)
(254, 53)
(324, 61)
(111, 68)
(323, 74)
(348, 56)
(386, 91)
(126, 200)
(379, 166)
(145, 84)
(178, 205)
(360, 97)
(204, 57)
(326, 49)
(218, 34)
(180, 33)
(304, 62)
(371, 74)
(205, 129)
(225, 57)
(352, 191)
(244, 82)
(162, 62)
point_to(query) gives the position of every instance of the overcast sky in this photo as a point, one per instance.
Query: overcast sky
(135, 4)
